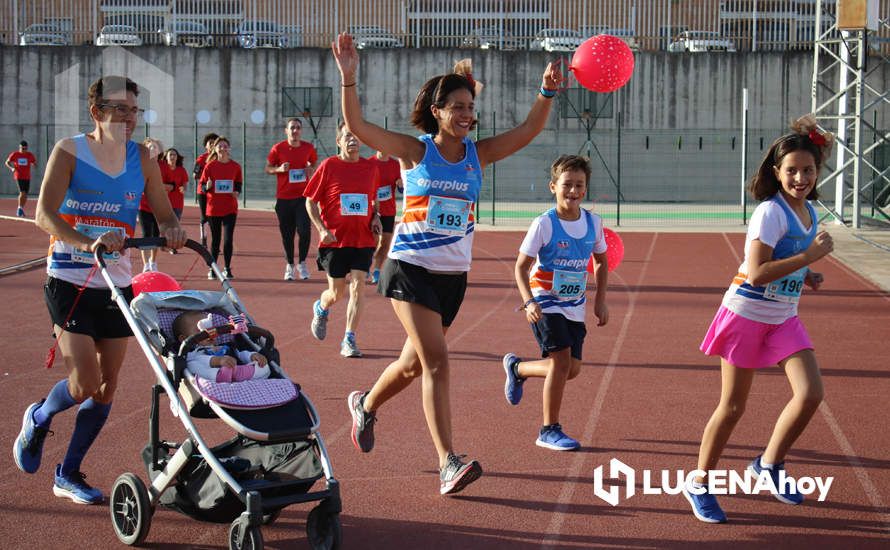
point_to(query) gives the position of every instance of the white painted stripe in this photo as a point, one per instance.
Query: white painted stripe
(874, 496)
(552, 533)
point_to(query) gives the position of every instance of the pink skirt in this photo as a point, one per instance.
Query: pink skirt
(753, 345)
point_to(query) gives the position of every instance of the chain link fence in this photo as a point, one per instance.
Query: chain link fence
(640, 177)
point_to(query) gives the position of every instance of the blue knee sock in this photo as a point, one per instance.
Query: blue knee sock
(91, 416)
(58, 400)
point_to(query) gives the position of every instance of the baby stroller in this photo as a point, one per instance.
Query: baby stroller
(273, 461)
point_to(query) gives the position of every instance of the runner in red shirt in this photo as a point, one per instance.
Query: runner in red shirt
(175, 180)
(390, 180)
(20, 162)
(200, 162)
(146, 216)
(222, 182)
(343, 207)
(292, 161)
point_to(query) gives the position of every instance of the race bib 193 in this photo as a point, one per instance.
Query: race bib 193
(23, 162)
(354, 204)
(448, 216)
(296, 175)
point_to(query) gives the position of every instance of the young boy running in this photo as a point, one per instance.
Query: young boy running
(552, 278)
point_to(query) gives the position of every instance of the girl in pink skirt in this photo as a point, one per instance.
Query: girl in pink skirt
(757, 324)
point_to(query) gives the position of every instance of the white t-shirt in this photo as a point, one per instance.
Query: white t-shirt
(540, 233)
(768, 225)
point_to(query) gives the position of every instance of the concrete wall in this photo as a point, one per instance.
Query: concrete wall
(672, 102)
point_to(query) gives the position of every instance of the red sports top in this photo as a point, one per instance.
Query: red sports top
(143, 202)
(390, 173)
(178, 178)
(22, 162)
(292, 183)
(223, 179)
(345, 193)
(199, 168)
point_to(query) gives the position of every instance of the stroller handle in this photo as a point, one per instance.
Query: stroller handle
(153, 242)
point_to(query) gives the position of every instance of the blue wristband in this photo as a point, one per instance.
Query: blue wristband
(547, 93)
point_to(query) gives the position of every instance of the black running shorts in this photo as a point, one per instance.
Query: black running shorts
(554, 332)
(96, 314)
(388, 223)
(411, 283)
(338, 262)
(24, 186)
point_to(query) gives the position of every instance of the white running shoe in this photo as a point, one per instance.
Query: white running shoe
(289, 272)
(303, 270)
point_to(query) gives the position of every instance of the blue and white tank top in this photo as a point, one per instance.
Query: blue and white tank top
(558, 279)
(96, 203)
(436, 231)
(775, 302)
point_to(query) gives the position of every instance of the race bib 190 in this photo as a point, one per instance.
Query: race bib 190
(354, 204)
(788, 288)
(448, 216)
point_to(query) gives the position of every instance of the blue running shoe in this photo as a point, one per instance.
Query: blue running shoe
(28, 447)
(375, 277)
(513, 384)
(75, 487)
(787, 490)
(552, 437)
(20, 212)
(705, 506)
(348, 347)
(319, 325)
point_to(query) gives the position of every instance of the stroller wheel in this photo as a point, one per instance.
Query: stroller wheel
(253, 538)
(131, 509)
(323, 530)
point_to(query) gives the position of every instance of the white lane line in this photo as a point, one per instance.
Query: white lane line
(874, 496)
(846, 447)
(554, 529)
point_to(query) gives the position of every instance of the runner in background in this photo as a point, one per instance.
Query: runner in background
(20, 162)
(208, 141)
(292, 161)
(390, 179)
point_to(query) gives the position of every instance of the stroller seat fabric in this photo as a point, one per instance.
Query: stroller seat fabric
(249, 394)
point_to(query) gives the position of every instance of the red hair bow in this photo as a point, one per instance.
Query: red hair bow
(817, 138)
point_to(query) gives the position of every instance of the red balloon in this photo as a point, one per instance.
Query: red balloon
(154, 281)
(603, 63)
(614, 254)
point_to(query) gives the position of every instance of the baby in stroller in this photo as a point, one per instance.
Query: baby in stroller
(217, 363)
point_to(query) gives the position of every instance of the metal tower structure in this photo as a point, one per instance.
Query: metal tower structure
(847, 96)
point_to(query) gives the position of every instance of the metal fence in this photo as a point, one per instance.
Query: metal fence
(640, 177)
(645, 24)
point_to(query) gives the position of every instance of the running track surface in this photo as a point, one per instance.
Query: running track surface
(643, 396)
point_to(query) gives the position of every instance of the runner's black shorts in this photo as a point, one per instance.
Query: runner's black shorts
(554, 332)
(96, 314)
(338, 262)
(406, 282)
(388, 223)
(24, 185)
